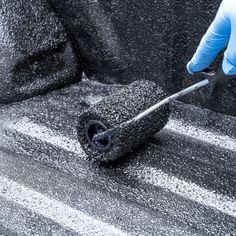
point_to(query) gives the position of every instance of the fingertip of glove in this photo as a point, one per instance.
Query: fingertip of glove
(190, 68)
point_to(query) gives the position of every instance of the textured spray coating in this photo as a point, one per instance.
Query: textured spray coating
(165, 183)
(36, 54)
(122, 107)
(125, 40)
(96, 39)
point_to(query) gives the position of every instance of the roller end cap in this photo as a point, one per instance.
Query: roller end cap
(92, 129)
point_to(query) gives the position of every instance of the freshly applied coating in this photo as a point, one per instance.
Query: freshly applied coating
(36, 54)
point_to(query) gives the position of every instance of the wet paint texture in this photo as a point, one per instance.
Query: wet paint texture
(123, 41)
(119, 108)
(130, 40)
(181, 182)
(95, 35)
(36, 54)
(115, 41)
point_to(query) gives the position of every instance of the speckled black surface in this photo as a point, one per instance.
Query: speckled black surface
(121, 107)
(152, 39)
(123, 41)
(156, 189)
(94, 33)
(6, 232)
(36, 54)
(48, 42)
(39, 150)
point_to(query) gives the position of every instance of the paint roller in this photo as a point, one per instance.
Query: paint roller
(119, 123)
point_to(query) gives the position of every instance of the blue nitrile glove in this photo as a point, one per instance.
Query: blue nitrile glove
(221, 34)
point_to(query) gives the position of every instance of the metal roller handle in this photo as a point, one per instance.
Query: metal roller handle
(172, 97)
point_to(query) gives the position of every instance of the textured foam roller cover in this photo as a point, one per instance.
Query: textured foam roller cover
(116, 109)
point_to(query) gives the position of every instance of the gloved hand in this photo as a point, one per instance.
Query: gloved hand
(221, 34)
